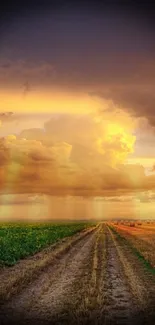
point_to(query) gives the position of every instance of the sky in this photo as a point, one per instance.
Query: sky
(77, 94)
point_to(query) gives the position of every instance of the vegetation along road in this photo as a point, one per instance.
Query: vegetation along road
(93, 277)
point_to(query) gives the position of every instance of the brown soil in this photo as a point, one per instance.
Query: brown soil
(96, 280)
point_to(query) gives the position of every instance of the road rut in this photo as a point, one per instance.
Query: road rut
(97, 281)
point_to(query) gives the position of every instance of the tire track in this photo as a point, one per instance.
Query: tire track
(97, 281)
(86, 296)
(119, 302)
(45, 297)
(16, 278)
(91, 293)
(139, 291)
(139, 284)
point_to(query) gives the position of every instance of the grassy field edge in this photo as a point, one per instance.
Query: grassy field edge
(146, 263)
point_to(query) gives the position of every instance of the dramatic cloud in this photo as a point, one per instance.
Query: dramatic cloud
(95, 140)
(137, 99)
(80, 155)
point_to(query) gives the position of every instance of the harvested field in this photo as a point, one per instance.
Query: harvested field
(142, 238)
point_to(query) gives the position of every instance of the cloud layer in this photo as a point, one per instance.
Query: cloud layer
(81, 155)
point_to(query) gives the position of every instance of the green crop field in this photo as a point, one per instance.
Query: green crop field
(18, 241)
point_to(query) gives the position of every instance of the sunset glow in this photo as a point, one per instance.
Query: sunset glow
(77, 108)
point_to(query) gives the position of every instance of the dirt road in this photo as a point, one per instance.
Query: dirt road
(98, 280)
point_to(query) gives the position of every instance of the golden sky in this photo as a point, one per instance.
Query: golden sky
(77, 146)
(77, 104)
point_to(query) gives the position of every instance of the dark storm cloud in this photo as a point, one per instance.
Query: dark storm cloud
(103, 48)
(139, 101)
(75, 25)
(145, 8)
(84, 49)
